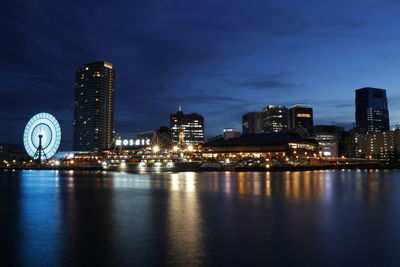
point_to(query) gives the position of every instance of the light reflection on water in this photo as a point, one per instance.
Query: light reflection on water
(192, 219)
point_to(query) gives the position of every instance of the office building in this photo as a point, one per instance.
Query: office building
(93, 127)
(187, 128)
(252, 123)
(372, 113)
(274, 119)
(301, 115)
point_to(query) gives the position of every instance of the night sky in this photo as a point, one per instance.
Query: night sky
(218, 58)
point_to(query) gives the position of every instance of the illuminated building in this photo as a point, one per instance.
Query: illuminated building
(287, 148)
(378, 145)
(301, 115)
(189, 126)
(329, 138)
(131, 142)
(352, 141)
(94, 107)
(372, 113)
(274, 119)
(252, 123)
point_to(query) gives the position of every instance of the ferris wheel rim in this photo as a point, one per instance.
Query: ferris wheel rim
(51, 135)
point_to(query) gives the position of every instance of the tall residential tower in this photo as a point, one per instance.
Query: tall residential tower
(94, 107)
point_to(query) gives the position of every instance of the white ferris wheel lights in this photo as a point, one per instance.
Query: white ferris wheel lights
(42, 136)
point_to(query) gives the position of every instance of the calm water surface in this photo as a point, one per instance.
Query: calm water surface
(314, 218)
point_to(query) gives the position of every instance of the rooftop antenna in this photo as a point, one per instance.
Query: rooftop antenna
(180, 107)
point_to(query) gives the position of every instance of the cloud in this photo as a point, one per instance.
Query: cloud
(268, 81)
(267, 84)
(203, 99)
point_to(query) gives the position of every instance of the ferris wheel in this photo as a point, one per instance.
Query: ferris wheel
(42, 136)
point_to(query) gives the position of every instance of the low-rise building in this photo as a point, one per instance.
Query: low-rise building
(266, 148)
(230, 133)
(329, 138)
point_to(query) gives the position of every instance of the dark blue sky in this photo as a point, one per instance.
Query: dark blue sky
(218, 58)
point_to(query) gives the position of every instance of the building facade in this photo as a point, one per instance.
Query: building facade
(377, 145)
(329, 138)
(265, 149)
(93, 126)
(274, 119)
(372, 113)
(252, 123)
(230, 133)
(301, 115)
(187, 128)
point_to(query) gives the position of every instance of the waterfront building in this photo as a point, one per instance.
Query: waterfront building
(93, 126)
(270, 149)
(252, 123)
(328, 142)
(301, 115)
(372, 113)
(329, 138)
(187, 128)
(131, 142)
(274, 119)
(377, 145)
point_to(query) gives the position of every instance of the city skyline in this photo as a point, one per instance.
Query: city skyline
(229, 65)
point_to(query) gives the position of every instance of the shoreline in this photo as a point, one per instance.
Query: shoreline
(221, 169)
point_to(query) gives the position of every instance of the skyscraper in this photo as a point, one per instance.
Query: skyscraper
(372, 113)
(94, 107)
(187, 128)
(252, 123)
(274, 119)
(301, 115)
